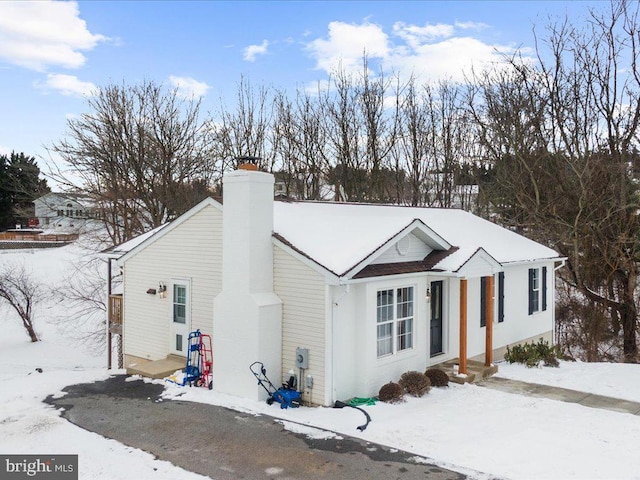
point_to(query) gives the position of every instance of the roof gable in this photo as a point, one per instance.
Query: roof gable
(406, 249)
(479, 264)
(417, 229)
(135, 245)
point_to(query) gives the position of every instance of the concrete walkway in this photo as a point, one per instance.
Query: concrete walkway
(561, 394)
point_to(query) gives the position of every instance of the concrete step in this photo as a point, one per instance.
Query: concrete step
(158, 368)
(476, 371)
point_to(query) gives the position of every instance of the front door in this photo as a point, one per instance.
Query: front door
(180, 318)
(436, 318)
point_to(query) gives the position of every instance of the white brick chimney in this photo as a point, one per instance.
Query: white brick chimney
(247, 314)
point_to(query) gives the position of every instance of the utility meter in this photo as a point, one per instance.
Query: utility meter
(302, 358)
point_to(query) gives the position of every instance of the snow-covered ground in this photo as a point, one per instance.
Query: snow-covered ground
(27, 425)
(618, 380)
(465, 428)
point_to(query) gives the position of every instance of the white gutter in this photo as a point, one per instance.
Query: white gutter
(537, 260)
(563, 261)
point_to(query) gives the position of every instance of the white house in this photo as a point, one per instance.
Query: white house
(66, 211)
(367, 291)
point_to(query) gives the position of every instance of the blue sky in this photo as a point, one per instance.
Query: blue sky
(52, 54)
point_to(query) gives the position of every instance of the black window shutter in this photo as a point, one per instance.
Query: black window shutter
(531, 290)
(544, 288)
(501, 297)
(483, 301)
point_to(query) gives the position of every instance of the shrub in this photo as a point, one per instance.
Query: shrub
(437, 377)
(390, 393)
(415, 383)
(533, 354)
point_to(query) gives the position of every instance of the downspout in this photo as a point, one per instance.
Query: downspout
(334, 304)
(562, 263)
(109, 290)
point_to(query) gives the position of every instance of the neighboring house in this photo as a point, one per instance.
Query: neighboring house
(62, 211)
(370, 291)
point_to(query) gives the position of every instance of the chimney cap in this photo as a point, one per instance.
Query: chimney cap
(248, 166)
(248, 163)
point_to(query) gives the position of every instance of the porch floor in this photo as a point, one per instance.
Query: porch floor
(476, 371)
(158, 368)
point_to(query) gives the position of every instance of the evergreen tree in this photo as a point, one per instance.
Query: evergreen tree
(20, 185)
(6, 216)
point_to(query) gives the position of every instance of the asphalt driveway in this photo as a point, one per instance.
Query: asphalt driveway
(225, 444)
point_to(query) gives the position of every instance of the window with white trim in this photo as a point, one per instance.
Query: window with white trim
(537, 289)
(394, 315)
(179, 303)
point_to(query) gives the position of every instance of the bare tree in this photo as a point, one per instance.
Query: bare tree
(299, 140)
(344, 135)
(562, 136)
(244, 132)
(380, 124)
(85, 299)
(132, 153)
(412, 148)
(22, 293)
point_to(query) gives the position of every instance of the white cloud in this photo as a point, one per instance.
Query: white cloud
(471, 25)
(449, 59)
(431, 51)
(68, 85)
(414, 35)
(40, 34)
(252, 51)
(189, 87)
(346, 45)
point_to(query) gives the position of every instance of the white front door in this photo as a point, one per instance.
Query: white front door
(180, 317)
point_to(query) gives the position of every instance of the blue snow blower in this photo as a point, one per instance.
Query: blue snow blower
(286, 396)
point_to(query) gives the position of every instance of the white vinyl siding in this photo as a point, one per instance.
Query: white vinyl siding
(302, 291)
(407, 249)
(192, 251)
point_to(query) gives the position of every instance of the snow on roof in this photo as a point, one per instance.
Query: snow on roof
(126, 247)
(338, 236)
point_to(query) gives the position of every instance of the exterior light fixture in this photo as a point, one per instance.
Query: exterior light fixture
(162, 290)
(428, 295)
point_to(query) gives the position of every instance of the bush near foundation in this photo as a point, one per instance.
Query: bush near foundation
(533, 354)
(437, 377)
(415, 383)
(390, 393)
